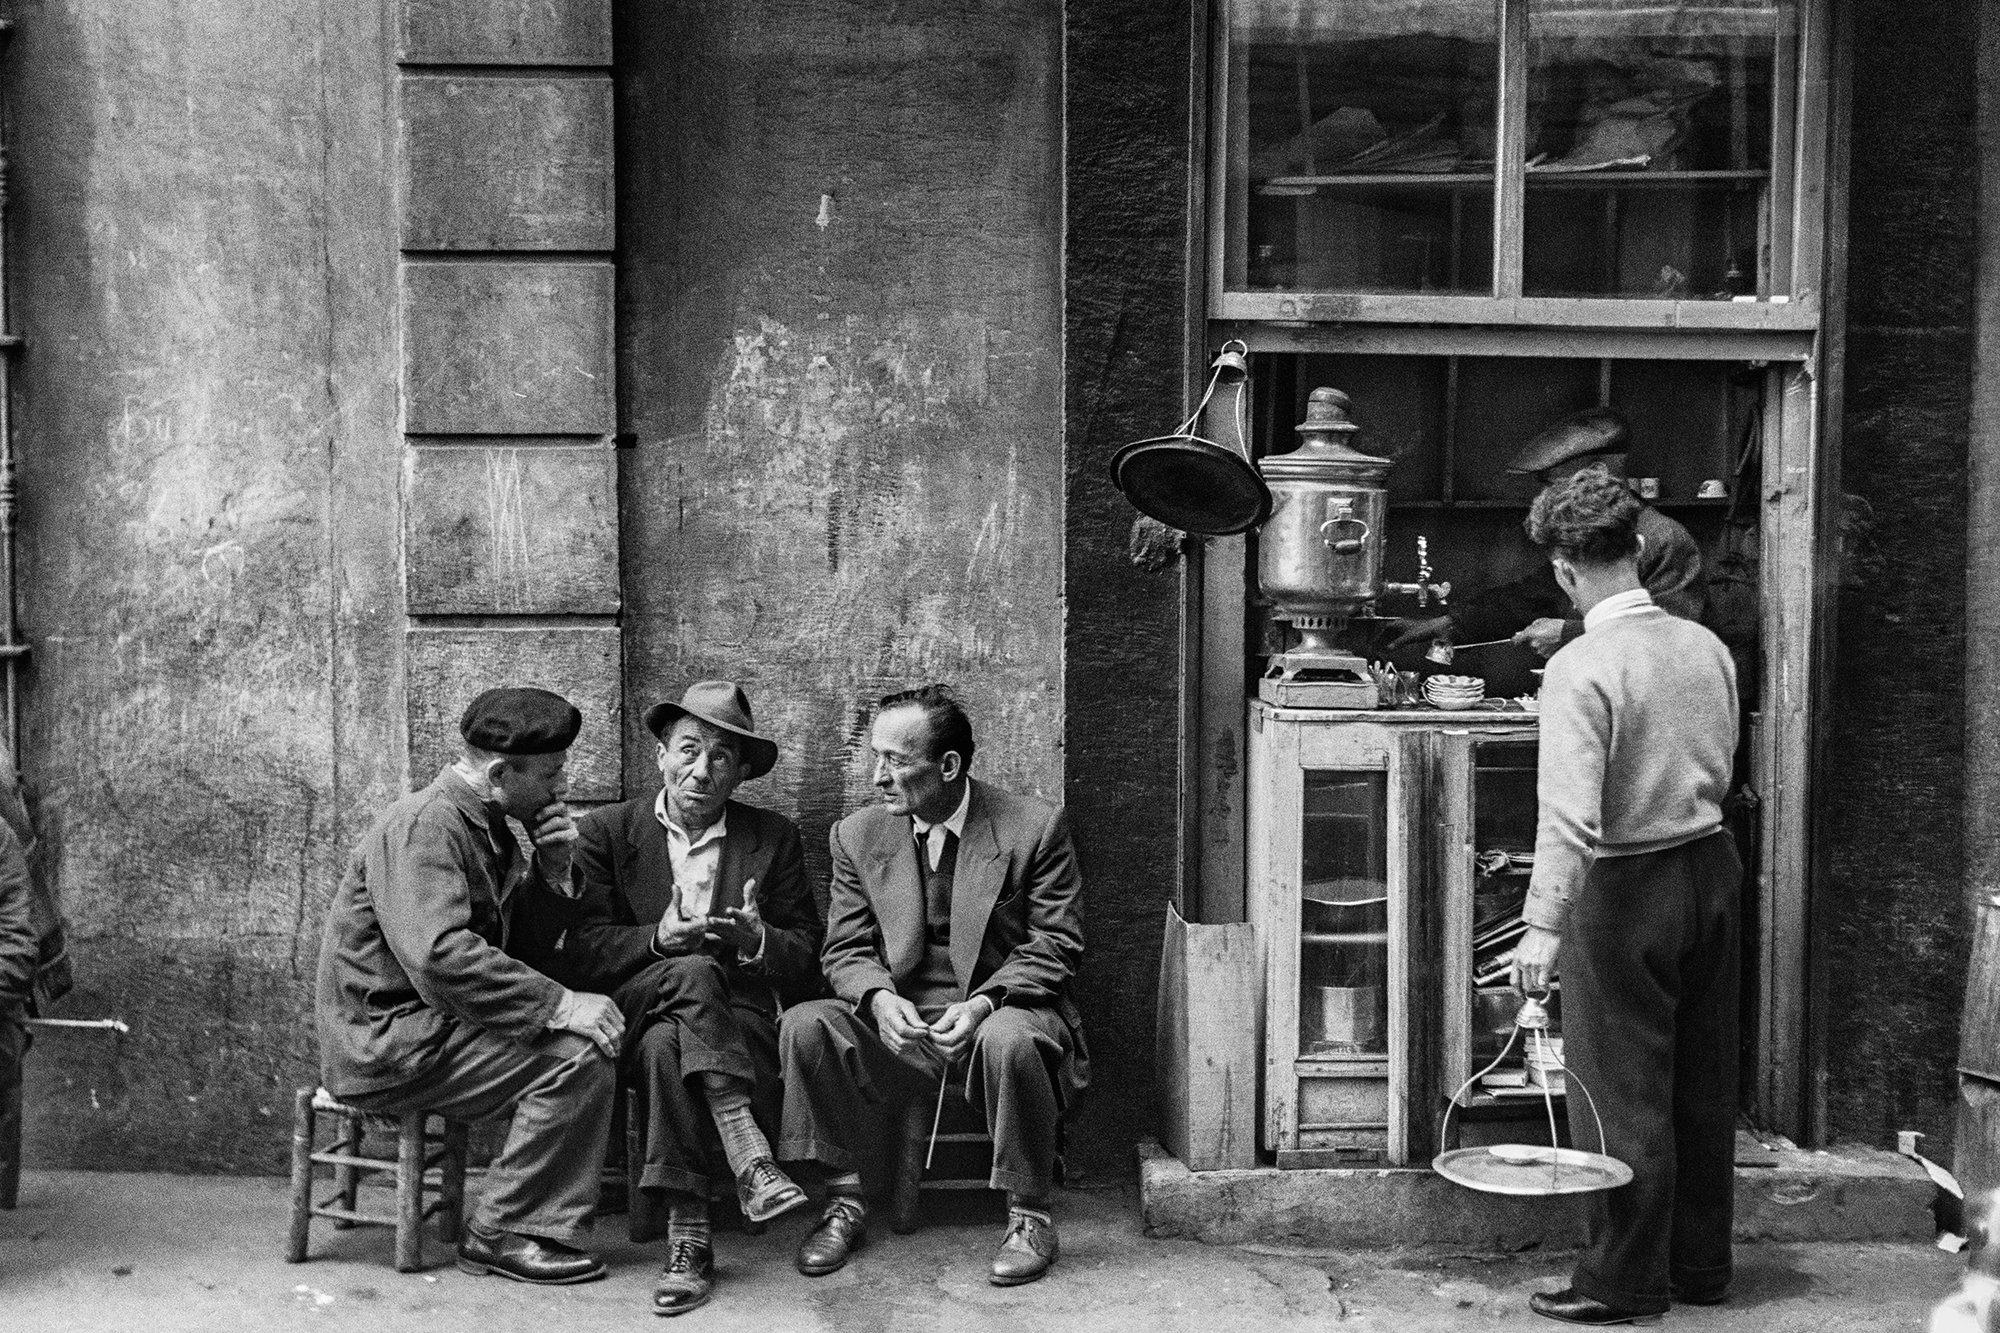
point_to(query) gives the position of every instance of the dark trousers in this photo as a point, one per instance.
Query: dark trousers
(681, 1021)
(837, 1070)
(13, 1045)
(1649, 978)
(558, 1089)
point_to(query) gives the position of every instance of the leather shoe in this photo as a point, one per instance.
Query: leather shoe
(828, 1246)
(1026, 1251)
(546, 1263)
(1572, 1307)
(687, 1281)
(764, 1192)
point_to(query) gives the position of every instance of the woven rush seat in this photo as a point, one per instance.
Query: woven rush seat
(427, 1162)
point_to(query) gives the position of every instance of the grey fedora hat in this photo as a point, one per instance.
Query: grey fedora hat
(722, 704)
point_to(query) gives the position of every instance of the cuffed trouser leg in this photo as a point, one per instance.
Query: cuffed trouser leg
(13, 1046)
(1012, 1081)
(1649, 975)
(836, 1069)
(692, 992)
(544, 1181)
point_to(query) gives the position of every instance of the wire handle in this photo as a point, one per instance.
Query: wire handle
(1540, 1036)
(1231, 364)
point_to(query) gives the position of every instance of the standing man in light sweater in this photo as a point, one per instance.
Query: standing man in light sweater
(1636, 886)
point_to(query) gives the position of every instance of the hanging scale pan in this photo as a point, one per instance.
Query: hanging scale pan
(1530, 1169)
(1192, 483)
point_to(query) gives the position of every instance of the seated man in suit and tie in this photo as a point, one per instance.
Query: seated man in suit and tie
(953, 932)
(696, 916)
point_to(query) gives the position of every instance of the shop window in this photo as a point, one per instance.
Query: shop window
(1597, 148)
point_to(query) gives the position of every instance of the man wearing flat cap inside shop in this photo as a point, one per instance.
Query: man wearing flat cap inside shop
(421, 1006)
(1533, 610)
(697, 916)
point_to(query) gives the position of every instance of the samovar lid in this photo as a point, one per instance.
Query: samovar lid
(1324, 453)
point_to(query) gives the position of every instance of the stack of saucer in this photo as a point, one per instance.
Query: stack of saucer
(1454, 692)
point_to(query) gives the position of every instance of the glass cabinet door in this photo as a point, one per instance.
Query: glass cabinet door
(1344, 914)
(1361, 145)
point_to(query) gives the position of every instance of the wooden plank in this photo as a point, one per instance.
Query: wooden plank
(1217, 774)
(1511, 152)
(1789, 535)
(1209, 1010)
(1809, 216)
(1580, 312)
(1544, 341)
(1230, 269)
(505, 163)
(1455, 888)
(1776, 220)
(1413, 957)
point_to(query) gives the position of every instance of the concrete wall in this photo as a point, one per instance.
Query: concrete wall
(1896, 921)
(203, 267)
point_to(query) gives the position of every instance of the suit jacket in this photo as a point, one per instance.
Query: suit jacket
(20, 947)
(416, 940)
(1669, 566)
(1016, 910)
(627, 880)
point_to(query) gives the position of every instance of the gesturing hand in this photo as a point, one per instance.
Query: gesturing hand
(680, 934)
(740, 927)
(898, 1023)
(955, 1027)
(596, 1018)
(554, 834)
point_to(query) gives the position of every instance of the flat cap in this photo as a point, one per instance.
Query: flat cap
(1595, 430)
(517, 719)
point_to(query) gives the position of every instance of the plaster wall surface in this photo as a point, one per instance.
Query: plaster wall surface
(1896, 924)
(203, 269)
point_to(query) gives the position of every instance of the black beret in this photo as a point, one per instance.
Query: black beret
(520, 720)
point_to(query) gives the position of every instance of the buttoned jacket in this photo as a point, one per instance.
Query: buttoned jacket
(1016, 908)
(626, 881)
(416, 940)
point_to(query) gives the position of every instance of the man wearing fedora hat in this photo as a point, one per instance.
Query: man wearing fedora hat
(424, 1003)
(697, 917)
(1533, 610)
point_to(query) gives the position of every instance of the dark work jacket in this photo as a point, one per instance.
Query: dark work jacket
(416, 941)
(1016, 909)
(605, 935)
(20, 945)
(1669, 566)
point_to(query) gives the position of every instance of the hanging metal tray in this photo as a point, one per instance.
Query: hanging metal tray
(1531, 1169)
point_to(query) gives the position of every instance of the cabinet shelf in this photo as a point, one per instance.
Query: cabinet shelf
(1344, 937)
(1286, 186)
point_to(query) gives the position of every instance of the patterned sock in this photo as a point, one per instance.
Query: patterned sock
(687, 1219)
(847, 1184)
(742, 1142)
(1037, 1204)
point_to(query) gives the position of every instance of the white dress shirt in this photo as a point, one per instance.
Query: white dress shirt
(1629, 603)
(696, 862)
(932, 835)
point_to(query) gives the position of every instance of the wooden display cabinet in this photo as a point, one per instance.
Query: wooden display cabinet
(1365, 827)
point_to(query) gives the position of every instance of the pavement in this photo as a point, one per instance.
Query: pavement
(90, 1251)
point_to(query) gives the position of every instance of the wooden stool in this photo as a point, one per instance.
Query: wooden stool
(417, 1153)
(958, 1127)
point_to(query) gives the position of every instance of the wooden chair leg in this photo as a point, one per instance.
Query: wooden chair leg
(347, 1179)
(451, 1183)
(912, 1141)
(304, 1124)
(410, 1143)
(13, 1047)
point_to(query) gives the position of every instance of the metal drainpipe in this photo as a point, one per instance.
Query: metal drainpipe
(12, 648)
(1977, 1155)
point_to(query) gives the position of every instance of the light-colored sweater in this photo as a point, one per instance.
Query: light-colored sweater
(1638, 726)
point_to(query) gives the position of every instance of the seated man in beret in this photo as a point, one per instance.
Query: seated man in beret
(421, 1007)
(696, 916)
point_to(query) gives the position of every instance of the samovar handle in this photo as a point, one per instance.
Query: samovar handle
(1347, 545)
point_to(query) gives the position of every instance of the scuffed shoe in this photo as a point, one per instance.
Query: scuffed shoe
(764, 1192)
(545, 1263)
(828, 1246)
(687, 1281)
(1570, 1306)
(1027, 1250)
